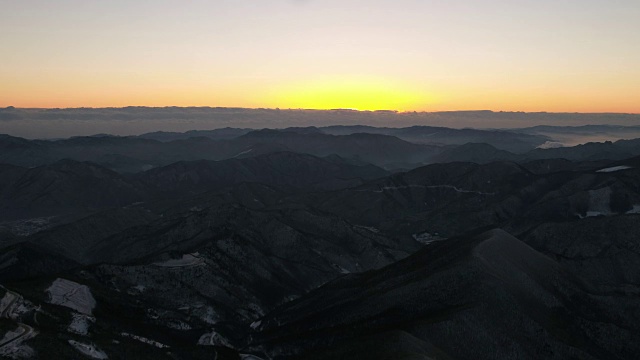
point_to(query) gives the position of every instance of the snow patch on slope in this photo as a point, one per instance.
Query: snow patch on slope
(256, 324)
(89, 350)
(187, 260)
(614, 169)
(427, 238)
(635, 210)
(72, 295)
(210, 316)
(244, 152)
(249, 357)
(599, 202)
(213, 339)
(178, 325)
(451, 187)
(13, 343)
(145, 340)
(80, 324)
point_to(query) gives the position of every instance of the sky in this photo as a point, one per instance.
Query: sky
(407, 55)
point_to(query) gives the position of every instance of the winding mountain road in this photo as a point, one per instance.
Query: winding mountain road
(25, 330)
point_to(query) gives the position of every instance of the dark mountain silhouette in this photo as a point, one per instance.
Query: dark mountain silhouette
(504, 140)
(138, 154)
(294, 243)
(70, 186)
(283, 168)
(64, 187)
(216, 134)
(477, 153)
(473, 290)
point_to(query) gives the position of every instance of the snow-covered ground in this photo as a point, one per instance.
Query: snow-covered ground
(186, 260)
(136, 290)
(599, 202)
(635, 210)
(10, 335)
(13, 306)
(26, 227)
(178, 325)
(249, 357)
(12, 343)
(244, 152)
(341, 269)
(80, 324)
(210, 316)
(6, 303)
(427, 238)
(88, 350)
(370, 228)
(143, 339)
(256, 324)
(614, 169)
(454, 188)
(213, 339)
(72, 295)
(595, 214)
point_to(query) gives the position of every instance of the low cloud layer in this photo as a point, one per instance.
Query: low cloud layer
(58, 123)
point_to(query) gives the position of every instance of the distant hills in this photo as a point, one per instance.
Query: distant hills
(438, 136)
(134, 154)
(390, 148)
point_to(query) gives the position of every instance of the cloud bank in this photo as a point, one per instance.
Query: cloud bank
(58, 123)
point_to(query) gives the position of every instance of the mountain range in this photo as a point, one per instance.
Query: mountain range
(301, 244)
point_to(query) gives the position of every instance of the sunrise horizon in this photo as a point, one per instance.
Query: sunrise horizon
(282, 108)
(539, 56)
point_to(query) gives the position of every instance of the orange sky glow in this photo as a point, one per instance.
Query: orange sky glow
(367, 55)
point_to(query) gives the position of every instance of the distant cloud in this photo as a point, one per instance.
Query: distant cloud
(551, 145)
(57, 123)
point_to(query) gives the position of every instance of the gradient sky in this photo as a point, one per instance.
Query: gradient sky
(544, 55)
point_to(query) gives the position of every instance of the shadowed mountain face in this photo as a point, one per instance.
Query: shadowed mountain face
(490, 292)
(450, 199)
(211, 270)
(480, 153)
(69, 186)
(377, 149)
(63, 187)
(284, 169)
(317, 253)
(134, 154)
